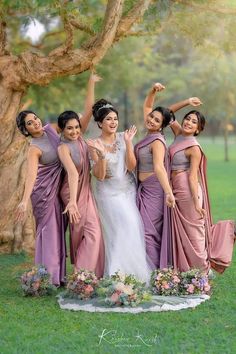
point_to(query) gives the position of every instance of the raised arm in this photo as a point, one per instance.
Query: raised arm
(192, 101)
(71, 207)
(130, 159)
(32, 169)
(89, 101)
(149, 100)
(158, 151)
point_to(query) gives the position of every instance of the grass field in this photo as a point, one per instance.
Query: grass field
(37, 325)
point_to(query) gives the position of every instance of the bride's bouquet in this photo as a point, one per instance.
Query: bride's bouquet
(122, 290)
(81, 285)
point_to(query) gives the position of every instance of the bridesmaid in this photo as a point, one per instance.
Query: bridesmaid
(154, 192)
(196, 241)
(43, 179)
(86, 242)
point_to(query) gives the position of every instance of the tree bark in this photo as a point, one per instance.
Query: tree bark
(13, 146)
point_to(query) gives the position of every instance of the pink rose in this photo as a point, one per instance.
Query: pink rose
(207, 287)
(190, 289)
(88, 289)
(176, 279)
(115, 297)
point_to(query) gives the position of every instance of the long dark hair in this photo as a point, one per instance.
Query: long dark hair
(201, 120)
(20, 122)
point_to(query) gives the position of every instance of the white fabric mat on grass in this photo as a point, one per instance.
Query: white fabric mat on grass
(157, 304)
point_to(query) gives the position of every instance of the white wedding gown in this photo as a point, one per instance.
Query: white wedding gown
(121, 222)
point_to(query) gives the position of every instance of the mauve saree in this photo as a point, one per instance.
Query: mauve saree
(196, 241)
(47, 208)
(154, 212)
(86, 242)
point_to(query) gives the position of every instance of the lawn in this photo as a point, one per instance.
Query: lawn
(37, 325)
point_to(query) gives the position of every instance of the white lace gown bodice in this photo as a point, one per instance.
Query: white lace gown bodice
(121, 222)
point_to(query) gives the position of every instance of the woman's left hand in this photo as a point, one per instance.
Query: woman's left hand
(95, 77)
(130, 133)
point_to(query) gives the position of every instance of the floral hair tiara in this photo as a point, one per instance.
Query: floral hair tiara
(107, 105)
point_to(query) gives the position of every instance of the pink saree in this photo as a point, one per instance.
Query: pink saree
(197, 242)
(86, 242)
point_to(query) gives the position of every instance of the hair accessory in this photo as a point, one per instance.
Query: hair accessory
(107, 105)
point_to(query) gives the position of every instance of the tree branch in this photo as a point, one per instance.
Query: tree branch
(219, 10)
(82, 26)
(133, 16)
(32, 68)
(3, 38)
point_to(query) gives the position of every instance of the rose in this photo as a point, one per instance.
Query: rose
(190, 288)
(176, 279)
(207, 287)
(128, 290)
(88, 289)
(120, 286)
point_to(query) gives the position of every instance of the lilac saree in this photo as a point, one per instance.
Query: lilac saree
(154, 212)
(47, 208)
(197, 242)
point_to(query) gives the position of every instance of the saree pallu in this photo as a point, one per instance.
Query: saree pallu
(50, 223)
(86, 241)
(151, 204)
(189, 240)
(219, 237)
(154, 212)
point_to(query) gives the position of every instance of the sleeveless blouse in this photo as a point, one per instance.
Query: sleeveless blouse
(180, 161)
(49, 154)
(145, 159)
(74, 151)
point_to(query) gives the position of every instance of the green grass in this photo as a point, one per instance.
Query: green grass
(37, 325)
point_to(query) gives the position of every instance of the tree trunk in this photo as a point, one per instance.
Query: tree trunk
(226, 150)
(13, 146)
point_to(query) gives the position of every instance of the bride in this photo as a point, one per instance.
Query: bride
(115, 194)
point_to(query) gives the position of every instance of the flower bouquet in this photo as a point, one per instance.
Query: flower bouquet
(194, 281)
(165, 281)
(122, 290)
(81, 285)
(36, 282)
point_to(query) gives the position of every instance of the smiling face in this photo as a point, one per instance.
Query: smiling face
(190, 124)
(154, 121)
(110, 123)
(72, 129)
(33, 125)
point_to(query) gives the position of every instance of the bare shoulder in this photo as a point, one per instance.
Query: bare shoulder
(193, 151)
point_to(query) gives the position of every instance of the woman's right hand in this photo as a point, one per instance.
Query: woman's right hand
(157, 87)
(194, 101)
(21, 212)
(98, 146)
(73, 212)
(170, 200)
